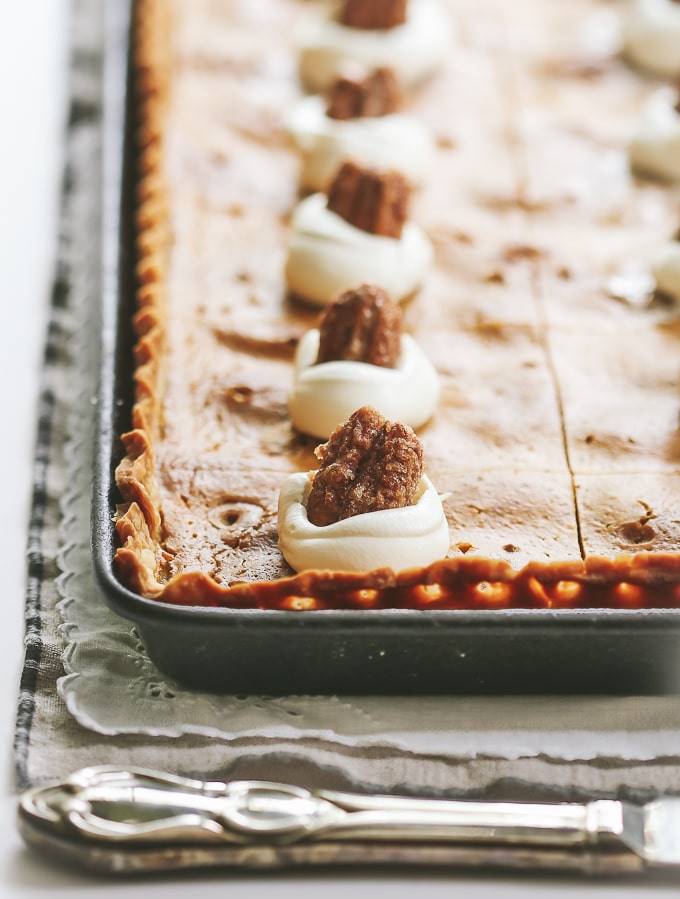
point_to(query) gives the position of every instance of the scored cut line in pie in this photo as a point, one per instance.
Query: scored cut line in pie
(556, 436)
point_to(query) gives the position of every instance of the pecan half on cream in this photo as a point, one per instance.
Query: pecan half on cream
(362, 325)
(376, 95)
(373, 201)
(368, 464)
(373, 13)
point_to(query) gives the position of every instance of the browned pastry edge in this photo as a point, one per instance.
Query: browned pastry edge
(138, 521)
(627, 581)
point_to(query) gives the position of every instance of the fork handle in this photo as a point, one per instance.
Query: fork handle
(140, 806)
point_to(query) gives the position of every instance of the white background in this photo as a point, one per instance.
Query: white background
(33, 44)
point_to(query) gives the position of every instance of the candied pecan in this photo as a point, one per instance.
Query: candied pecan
(363, 325)
(377, 95)
(373, 201)
(373, 13)
(368, 464)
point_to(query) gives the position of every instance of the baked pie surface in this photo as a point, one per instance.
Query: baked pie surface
(556, 436)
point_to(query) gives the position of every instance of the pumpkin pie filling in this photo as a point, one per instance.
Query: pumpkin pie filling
(555, 440)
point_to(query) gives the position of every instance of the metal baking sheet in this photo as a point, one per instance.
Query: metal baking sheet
(372, 651)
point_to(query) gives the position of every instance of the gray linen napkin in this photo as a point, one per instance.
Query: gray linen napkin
(49, 743)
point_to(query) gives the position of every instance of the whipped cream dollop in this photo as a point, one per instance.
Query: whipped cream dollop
(655, 148)
(413, 50)
(651, 36)
(666, 270)
(327, 255)
(396, 141)
(407, 537)
(325, 395)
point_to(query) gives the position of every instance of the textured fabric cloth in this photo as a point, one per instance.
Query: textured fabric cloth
(50, 743)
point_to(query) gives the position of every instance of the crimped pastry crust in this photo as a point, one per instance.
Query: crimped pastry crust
(552, 485)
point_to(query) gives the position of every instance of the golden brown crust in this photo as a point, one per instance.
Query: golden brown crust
(624, 578)
(138, 524)
(629, 582)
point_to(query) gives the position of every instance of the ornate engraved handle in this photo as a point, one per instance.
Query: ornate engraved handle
(141, 806)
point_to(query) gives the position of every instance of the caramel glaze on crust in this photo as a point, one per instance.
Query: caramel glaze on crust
(147, 560)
